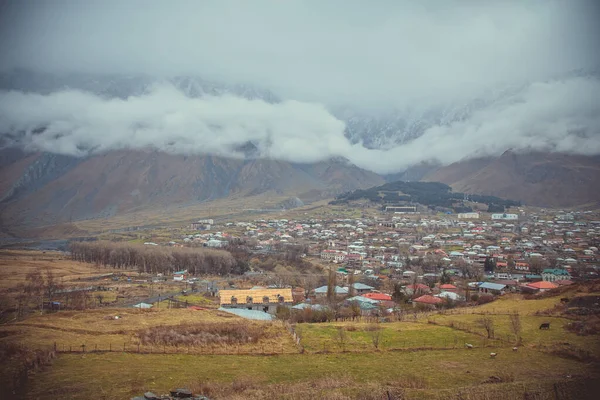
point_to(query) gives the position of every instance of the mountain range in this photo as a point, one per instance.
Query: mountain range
(40, 188)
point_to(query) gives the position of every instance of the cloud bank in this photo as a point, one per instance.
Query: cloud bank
(561, 116)
(397, 53)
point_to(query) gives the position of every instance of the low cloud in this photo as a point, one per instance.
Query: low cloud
(555, 116)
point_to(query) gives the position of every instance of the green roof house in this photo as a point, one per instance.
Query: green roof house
(555, 274)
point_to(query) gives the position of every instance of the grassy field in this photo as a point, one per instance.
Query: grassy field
(16, 264)
(199, 300)
(424, 358)
(397, 335)
(119, 376)
(99, 331)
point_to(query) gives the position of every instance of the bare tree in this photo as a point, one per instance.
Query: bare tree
(341, 337)
(52, 286)
(375, 333)
(331, 285)
(487, 323)
(34, 287)
(515, 326)
(537, 264)
(351, 289)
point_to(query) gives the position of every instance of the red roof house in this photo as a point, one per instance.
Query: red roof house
(378, 296)
(447, 287)
(542, 285)
(427, 300)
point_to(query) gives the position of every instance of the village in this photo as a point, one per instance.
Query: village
(424, 260)
(481, 291)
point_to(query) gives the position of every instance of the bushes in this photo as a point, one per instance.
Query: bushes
(484, 299)
(589, 326)
(309, 315)
(155, 259)
(223, 333)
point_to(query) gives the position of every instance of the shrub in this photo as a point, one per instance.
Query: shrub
(203, 334)
(485, 298)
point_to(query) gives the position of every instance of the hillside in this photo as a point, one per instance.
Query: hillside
(432, 194)
(540, 179)
(41, 189)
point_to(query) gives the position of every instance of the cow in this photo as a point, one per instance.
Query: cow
(545, 325)
(493, 355)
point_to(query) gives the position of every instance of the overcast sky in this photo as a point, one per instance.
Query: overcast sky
(372, 55)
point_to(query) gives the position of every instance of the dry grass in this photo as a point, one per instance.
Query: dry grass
(98, 331)
(396, 335)
(427, 374)
(16, 264)
(222, 333)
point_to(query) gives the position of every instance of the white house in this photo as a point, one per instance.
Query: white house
(552, 275)
(505, 216)
(468, 215)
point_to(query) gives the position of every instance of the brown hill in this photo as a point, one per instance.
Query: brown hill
(48, 189)
(540, 179)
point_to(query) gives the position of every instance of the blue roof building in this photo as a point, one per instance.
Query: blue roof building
(492, 288)
(339, 291)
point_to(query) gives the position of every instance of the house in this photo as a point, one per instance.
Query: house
(378, 296)
(314, 307)
(492, 288)
(416, 289)
(555, 274)
(180, 276)
(447, 287)
(427, 300)
(360, 288)
(505, 216)
(449, 296)
(366, 305)
(265, 300)
(542, 286)
(468, 215)
(143, 305)
(322, 291)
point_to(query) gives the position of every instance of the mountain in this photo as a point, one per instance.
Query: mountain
(375, 129)
(540, 179)
(435, 195)
(43, 188)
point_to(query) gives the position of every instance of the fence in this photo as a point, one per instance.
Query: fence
(137, 348)
(335, 346)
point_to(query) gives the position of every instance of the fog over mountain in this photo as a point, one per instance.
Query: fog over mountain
(385, 87)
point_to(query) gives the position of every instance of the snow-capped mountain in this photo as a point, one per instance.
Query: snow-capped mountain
(382, 129)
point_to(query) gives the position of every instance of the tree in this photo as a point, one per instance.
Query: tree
(52, 285)
(351, 289)
(537, 264)
(515, 326)
(331, 284)
(489, 265)
(398, 294)
(510, 262)
(34, 287)
(487, 323)
(341, 337)
(445, 278)
(375, 333)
